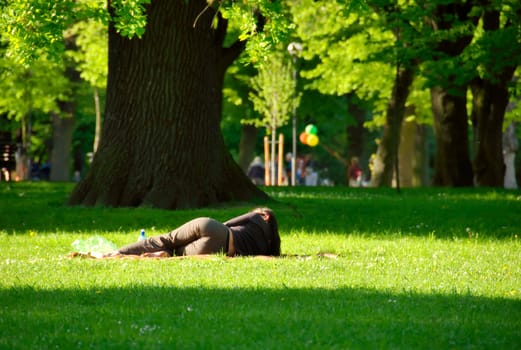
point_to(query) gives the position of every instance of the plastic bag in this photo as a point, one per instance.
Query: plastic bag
(93, 244)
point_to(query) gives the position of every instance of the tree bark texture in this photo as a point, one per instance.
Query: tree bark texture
(406, 152)
(385, 155)
(489, 105)
(420, 162)
(490, 100)
(413, 154)
(161, 144)
(452, 161)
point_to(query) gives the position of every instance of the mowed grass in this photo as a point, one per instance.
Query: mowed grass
(427, 268)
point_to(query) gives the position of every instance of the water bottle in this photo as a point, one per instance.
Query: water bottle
(142, 236)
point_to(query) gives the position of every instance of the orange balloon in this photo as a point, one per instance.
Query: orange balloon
(303, 137)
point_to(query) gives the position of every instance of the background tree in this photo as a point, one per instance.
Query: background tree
(64, 119)
(445, 55)
(497, 50)
(356, 51)
(161, 144)
(29, 94)
(92, 60)
(351, 49)
(453, 25)
(273, 96)
(47, 27)
(242, 139)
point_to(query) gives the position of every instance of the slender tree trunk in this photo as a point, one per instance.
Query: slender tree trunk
(97, 130)
(413, 152)
(161, 144)
(420, 162)
(407, 152)
(385, 157)
(23, 158)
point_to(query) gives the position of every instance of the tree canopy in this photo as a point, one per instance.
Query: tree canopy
(383, 58)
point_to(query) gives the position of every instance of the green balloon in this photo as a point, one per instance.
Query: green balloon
(311, 129)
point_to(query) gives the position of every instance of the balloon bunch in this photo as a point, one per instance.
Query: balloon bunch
(309, 136)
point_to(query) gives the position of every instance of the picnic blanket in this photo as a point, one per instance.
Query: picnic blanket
(97, 247)
(163, 255)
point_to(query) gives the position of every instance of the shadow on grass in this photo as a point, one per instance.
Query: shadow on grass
(162, 317)
(443, 213)
(437, 212)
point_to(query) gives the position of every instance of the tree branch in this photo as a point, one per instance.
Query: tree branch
(230, 54)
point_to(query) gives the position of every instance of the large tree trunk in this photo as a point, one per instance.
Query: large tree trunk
(161, 143)
(489, 105)
(385, 156)
(490, 100)
(452, 161)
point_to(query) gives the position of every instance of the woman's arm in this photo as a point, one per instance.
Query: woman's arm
(239, 220)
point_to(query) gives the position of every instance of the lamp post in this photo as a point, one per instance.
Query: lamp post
(294, 50)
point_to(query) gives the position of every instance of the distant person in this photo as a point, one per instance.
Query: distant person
(35, 171)
(253, 233)
(311, 177)
(45, 171)
(355, 173)
(299, 170)
(305, 167)
(311, 174)
(256, 171)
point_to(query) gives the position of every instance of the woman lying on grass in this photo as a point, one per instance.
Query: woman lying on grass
(253, 233)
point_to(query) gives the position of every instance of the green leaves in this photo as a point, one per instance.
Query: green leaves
(273, 94)
(130, 18)
(30, 26)
(263, 24)
(92, 53)
(344, 50)
(31, 88)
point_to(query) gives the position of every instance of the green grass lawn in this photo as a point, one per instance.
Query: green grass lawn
(424, 269)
